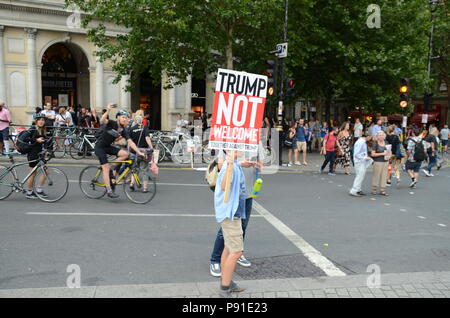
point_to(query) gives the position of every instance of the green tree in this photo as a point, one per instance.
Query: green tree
(441, 49)
(173, 36)
(336, 55)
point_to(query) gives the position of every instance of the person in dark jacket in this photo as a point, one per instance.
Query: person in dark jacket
(38, 137)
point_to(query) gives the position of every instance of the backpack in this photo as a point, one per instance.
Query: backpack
(22, 144)
(419, 151)
(100, 131)
(212, 173)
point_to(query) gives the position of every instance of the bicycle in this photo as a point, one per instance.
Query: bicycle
(134, 179)
(176, 146)
(83, 147)
(64, 137)
(55, 186)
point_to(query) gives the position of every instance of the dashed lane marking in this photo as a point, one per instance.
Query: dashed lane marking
(421, 217)
(310, 252)
(443, 225)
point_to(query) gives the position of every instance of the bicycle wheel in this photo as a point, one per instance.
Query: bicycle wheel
(59, 148)
(6, 182)
(91, 182)
(50, 184)
(78, 149)
(180, 154)
(162, 152)
(141, 188)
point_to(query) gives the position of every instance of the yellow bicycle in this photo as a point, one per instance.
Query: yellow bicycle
(138, 185)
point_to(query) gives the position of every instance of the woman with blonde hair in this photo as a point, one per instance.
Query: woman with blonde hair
(380, 155)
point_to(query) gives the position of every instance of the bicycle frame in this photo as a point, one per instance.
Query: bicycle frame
(122, 176)
(18, 185)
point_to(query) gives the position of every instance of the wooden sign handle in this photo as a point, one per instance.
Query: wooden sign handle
(228, 176)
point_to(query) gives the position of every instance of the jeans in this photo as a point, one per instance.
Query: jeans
(360, 169)
(330, 157)
(219, 243)
(432, 161)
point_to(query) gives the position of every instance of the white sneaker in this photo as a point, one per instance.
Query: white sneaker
(289, 164)
(244, 262)
(214, 270)
(426, 173)
(298, 163)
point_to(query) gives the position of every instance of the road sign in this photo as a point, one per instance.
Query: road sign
(282, 50)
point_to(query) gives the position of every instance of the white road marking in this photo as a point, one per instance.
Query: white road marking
(443, 225)
(411, 193)
(310, 252)
(387, 204)
(421, 217)
(125, 214)
(373, 199)
(403, 210)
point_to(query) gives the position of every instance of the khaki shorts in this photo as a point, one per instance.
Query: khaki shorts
(233, 235)
(301, 146)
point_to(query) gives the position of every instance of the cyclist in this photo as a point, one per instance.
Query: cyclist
(38, 137)
(140, 135)
(113, 131)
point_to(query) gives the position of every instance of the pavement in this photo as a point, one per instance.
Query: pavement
(403, 285)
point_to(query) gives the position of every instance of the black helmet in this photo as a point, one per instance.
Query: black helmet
(37, 116)
(122, 113)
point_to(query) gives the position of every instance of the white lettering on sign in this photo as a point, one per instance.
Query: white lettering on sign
(238, 110)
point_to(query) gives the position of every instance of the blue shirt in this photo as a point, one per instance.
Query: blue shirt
(235, 207)
(375, 130)
(300, 133)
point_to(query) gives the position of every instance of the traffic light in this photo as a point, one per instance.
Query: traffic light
(290, 84)
(404, 92)
(272, 78)
(428, 101)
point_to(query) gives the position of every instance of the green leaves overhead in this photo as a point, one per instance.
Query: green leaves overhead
(332, 51)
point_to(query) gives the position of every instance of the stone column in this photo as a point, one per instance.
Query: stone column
(99, 85)
(32, 68)
(125, 96)
(3, 94)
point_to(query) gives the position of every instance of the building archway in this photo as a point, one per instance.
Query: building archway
(65, 76)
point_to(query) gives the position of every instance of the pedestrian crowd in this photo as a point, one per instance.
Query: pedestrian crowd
(389, 149)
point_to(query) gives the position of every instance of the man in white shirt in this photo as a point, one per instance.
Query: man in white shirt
(362, 161)
(444, 138)
(358, 128)
(64, 118)
(181, 123)
(50, 115)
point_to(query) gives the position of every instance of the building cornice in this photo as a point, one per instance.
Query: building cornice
(56, 10)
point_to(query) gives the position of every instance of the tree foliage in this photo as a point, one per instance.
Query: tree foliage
(336, 55)
(181, 36)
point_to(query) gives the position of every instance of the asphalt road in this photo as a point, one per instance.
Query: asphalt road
(404, 232)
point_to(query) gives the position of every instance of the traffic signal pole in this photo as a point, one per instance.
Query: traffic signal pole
(280, 106)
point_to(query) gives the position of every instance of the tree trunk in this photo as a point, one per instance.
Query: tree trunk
(229, 54)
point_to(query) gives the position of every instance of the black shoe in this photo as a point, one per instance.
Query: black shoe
(43, 194)
(112, 195)
(361, 193)
(31, 195)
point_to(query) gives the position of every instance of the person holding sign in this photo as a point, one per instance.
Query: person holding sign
(229, 215)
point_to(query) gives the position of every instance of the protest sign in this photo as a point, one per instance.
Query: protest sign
(238, 112)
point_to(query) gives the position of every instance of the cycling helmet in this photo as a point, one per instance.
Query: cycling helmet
(122, 113)
(37, 116)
